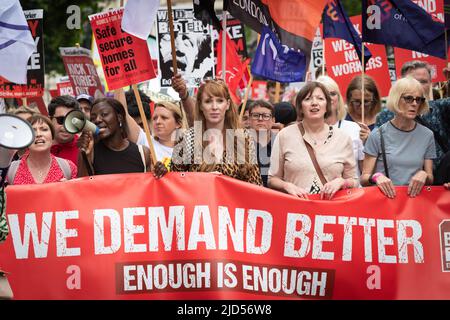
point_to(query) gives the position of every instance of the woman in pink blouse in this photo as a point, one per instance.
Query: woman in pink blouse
(39, 165)
(291, 167)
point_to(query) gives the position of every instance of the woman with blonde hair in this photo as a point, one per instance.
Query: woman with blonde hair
(168, 125)
(336, 119)
(216, 143)
(401, 151)
(312, 157)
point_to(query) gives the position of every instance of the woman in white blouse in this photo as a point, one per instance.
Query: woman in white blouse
(291, 167)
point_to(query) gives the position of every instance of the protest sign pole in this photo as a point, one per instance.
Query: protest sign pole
(144, 122)
(363, 63)
(446, 60)
(172, 37)
(323, 56)
(24, 101)
(247, 90)
(277, 92)
(224, 43)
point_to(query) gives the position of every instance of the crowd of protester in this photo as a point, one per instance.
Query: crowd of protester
(320, 143)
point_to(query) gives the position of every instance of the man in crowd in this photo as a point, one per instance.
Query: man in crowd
(261, 115)
(271, 88)
(85, 102)
(64, 144)
(437, 120)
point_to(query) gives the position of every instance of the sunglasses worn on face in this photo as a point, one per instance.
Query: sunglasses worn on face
(411, 99)
(59, 120)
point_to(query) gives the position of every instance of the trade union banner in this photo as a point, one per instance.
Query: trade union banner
(133, 237)
(436, 9)
(35, 74)
(343, 64)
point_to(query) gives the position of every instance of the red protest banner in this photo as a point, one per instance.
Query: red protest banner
(81, 70)
(343, 64)
(436, 9)
(174, 239)
(35, 74)
(125, 58)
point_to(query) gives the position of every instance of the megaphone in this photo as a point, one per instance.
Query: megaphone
(15, 133)
(75, 121)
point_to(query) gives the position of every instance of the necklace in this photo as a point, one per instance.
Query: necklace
(317, 141)
(39, 172)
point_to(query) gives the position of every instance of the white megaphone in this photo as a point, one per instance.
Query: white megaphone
(75, 121)
(15, 134)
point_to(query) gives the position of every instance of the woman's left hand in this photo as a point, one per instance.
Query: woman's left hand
(416, 183)
(330, 188)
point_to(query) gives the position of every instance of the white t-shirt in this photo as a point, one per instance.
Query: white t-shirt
(161, 151)
(352, 129)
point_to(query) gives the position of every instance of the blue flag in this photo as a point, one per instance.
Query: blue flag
(336, 24)
(402, 24)
(276, 62)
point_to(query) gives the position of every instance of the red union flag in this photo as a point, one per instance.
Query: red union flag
(125, 58)
(172, 238)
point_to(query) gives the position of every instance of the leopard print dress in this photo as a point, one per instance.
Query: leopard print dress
(183, 160)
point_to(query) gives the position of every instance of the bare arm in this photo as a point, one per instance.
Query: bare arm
(383, 183)
(179, 85)
(133, 135)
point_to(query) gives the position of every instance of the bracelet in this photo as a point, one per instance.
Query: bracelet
(185, 97)
(373, 178)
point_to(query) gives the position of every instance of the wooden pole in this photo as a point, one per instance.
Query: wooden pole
(362, 83)
(323, 56)
(144, 122)
(448, 64)
(224, 44)
(24, 102)
(172, 37)
(277, 92)
(247, 90)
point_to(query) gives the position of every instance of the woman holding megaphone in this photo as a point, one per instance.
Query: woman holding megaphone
(110, 151)
(39, 165)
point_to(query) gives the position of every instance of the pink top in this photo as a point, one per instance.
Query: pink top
(55, 174)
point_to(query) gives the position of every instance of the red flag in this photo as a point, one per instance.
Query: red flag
(235, 67)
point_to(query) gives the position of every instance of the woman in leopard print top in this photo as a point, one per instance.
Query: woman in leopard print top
(217, 143)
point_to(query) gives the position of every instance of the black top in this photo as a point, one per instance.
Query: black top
(107, 161)
(263, 154)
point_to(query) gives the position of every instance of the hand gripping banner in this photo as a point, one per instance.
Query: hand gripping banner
(133, 237)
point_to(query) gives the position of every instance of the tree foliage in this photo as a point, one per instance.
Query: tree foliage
(352, 7)
(56, 32)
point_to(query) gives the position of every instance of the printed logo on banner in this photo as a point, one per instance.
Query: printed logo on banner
(444, 236)
(193, 43)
